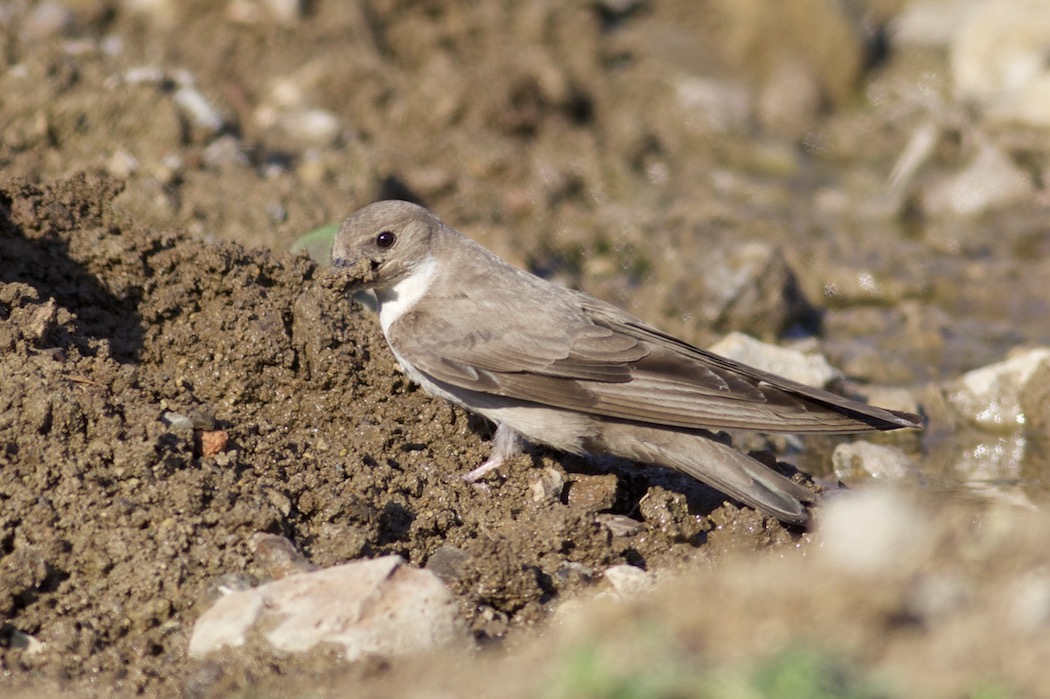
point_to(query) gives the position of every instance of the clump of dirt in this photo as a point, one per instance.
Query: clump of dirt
(124, 351)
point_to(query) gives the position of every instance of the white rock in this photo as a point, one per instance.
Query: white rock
(875, 460)
(122, 164)
(254, 11)
(1028, 601)
(990, 180)
(939, 596)
(310, 127)
(810, 369)
(872, 531)
(112, 45)
(989, 397)
(286, 93)
(162, 12)
(226, 624)
(198, 108)
(48, 18)
(138, 75)
(374, 606)
(929, 22)
(989, 464)
(998, 59)
(225, 151)
(177, 420)
(549, 486)
(790, 99)
(629, 580)
(29, 645)
(286, 11)
(725, 106)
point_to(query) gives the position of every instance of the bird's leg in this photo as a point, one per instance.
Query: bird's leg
(506, 444)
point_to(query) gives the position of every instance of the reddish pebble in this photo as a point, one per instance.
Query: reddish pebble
(214, 442)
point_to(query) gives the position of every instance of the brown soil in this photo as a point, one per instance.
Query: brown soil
(170, 385)
(115, 524)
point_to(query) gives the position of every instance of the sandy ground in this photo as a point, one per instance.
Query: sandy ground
(144, 280)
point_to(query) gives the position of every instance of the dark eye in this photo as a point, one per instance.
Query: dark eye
(386, 239)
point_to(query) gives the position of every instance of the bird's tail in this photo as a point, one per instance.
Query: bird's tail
(749, 481)
(719, 466)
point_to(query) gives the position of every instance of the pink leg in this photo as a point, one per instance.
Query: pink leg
(506, 444)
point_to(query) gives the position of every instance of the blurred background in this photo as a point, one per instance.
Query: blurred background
(883, 161)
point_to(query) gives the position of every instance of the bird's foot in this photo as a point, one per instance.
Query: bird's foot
(491, 464)
(506, 444)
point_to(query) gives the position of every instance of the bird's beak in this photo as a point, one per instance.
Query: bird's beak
(347, 276)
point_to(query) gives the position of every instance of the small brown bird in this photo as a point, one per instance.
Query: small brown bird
(561, 368)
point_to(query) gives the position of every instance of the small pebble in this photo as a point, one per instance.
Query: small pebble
(810, 369)
(549, 487)
(29, 645)
(629, 580)
(1028, 601)
(998, 60)
(198, 108)
(594, 493)
(315, 127)
(177, 421)
(225, 152)
(277, 556)
(620, 525)
(214, 442)
(864, 459)
(277, 212)
(122, 164)
(48, 18)
(991, 180)
(990, 397)
(448, 563)
(203, 416)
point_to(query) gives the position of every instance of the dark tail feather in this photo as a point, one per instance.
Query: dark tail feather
(737, 474)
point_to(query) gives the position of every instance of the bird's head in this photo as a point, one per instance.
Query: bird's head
(383, 243)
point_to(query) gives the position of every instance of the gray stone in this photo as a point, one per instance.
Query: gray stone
(810, 369)
(177, 421)
(629, 580)
(991, 180)
(47, 19)
(374, 606)
(990, 397)
(998, 60)
(864, 459)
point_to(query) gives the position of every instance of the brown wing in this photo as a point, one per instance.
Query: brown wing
(586, 355)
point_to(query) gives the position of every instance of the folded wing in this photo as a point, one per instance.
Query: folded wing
(589, 356)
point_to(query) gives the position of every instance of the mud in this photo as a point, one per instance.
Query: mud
(116, 525)
(172, 382)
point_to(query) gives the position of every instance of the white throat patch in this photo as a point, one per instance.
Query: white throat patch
(395, 302)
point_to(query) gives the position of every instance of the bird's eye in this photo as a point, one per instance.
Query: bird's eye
(386, 239)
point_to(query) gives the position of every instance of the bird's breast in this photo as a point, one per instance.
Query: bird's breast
(403, 296)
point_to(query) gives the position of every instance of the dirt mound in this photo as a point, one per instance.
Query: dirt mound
(164, 399)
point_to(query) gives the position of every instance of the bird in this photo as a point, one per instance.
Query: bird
(557, 367)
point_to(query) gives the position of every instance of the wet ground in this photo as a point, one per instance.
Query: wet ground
(173, 381)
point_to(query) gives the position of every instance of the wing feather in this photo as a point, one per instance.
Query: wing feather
(586, 355)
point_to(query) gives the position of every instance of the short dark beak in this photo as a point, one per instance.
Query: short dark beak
(348, 275)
